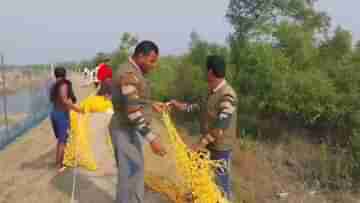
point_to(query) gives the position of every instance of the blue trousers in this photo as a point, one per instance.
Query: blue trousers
(130, 161)
(60, 121)
(223, 177)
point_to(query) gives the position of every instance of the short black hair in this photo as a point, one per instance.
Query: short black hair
(60, 72)
(145, 47)
(217, 65)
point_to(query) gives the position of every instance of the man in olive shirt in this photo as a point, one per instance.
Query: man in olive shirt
(131, 120)
(218, 119)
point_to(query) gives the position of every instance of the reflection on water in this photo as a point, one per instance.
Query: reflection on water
(25, 109)
(26, 101)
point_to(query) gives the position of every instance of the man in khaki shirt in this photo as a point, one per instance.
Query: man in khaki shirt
(131, 121)
(218, 119)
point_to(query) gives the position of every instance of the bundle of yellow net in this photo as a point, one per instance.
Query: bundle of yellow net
(78, 150)
(195, 169)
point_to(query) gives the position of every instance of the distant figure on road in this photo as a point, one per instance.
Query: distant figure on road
(104, 70)
(86, 73)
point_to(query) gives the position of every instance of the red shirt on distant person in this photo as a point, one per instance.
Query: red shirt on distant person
(104, 72)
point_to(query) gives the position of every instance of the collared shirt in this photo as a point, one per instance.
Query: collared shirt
(132, 62)
(219, 86)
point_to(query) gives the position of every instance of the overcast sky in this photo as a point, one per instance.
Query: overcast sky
(47, 31)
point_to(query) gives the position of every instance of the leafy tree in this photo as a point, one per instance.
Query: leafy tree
(99, 58)
(127, 42)
(200, 49)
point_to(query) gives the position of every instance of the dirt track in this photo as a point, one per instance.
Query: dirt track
(28, 173)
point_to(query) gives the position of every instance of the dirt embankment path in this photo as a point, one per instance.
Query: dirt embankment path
(28, 173)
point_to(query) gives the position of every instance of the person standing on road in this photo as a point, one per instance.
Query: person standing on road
(218, 120)
(63, 100)
(131, 121)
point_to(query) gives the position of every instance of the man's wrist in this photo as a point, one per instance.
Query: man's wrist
(150, 137)
(204, 142)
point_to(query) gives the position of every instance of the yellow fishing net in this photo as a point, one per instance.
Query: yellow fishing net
(195, 169)
(78, 150)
